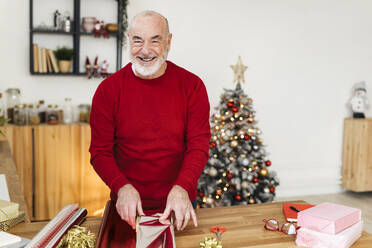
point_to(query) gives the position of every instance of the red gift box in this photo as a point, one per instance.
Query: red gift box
(116, 233)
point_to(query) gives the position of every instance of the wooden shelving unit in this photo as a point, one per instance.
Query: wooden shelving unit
(76, 33)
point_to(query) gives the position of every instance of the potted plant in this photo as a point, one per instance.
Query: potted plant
(64, 56)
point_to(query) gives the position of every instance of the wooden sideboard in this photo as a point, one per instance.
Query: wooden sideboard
(54, 169)
(357, 155)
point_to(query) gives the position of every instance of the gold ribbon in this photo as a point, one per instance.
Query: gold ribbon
(210, 242)
(78, 237)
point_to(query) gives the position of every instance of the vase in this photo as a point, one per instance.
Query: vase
(64, 65)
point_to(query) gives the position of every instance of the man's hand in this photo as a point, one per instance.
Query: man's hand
(129, 204)
(179, 202)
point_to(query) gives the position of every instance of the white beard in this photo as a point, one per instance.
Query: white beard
(147, 71)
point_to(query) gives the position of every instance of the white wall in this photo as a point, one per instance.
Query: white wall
(303, 58)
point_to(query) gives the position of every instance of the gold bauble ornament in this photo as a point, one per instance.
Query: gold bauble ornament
(251, 201)
(234, 143)
(250, 100)
(264, 172)
(210, 200)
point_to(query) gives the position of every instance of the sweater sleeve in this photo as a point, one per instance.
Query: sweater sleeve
(197, 139)
(102, 123)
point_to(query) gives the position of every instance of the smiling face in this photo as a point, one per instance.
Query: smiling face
(149, 44)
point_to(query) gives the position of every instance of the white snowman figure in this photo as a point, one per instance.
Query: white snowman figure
(359, 102)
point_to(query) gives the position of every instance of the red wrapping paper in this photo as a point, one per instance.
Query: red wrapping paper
(152, 234)
(116, 233)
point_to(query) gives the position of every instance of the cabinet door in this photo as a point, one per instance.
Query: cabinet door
(57, 168)
(357, 155)
(94, 192)
(20, 142)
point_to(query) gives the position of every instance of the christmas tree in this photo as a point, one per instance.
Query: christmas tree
(237, 171)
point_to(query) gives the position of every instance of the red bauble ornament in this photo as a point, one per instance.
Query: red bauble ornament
(268, 163)
(246, 137)
(235, 109)
(213, 144)
(255, 180)
(238, 197)
(230, 104)
(230, 175)
(201, 194)
(272, 189)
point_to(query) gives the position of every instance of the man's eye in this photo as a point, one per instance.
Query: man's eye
(155, 41)
(137, 41)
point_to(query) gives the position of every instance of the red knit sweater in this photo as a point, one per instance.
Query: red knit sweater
(152, 134)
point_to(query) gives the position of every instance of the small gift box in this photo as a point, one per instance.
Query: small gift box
(153, 234)
(8, 210)
(328, 218)
(310, 238)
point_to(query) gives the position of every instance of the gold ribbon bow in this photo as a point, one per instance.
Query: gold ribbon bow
(210, 242)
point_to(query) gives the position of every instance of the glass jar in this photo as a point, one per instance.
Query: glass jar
(13, 99)
(19, 115)
(52, 115)
(42, 111)
(2, 110)
(84, 112)
(33, 114)
(68, 113)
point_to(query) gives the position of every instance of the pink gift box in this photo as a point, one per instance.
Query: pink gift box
(310, 238)
(328, 217)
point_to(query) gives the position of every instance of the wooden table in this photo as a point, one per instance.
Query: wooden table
(243, 223)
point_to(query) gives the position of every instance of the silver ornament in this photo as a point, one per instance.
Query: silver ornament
(212, 172)
(245, 185)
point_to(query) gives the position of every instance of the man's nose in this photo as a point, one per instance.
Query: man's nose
(146, 47)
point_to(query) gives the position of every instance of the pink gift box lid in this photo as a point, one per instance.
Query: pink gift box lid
(329, 217)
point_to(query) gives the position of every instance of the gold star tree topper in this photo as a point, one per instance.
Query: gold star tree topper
(239, 70)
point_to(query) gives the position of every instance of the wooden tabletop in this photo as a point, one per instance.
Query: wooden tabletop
(243, 223)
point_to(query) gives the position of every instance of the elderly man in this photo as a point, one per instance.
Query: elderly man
(150, 128)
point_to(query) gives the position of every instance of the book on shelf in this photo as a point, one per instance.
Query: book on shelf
(36, 58)
(53, 60)
(40, 65)
(48, 62)
(44, 60)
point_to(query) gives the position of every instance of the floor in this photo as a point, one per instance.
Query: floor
(352, 199)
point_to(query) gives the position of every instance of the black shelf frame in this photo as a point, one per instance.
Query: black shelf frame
(76, 33)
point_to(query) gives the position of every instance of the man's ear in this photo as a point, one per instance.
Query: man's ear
(169, 41)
